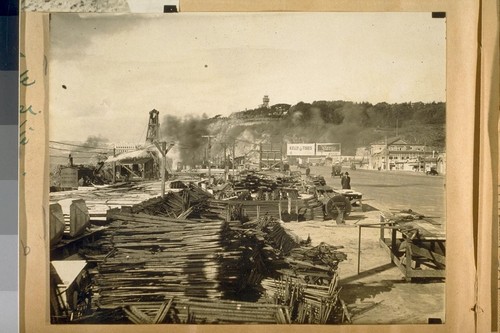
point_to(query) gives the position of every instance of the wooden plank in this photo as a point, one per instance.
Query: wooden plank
(163, 311)
(428, 254)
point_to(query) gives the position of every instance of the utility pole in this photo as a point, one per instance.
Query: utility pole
(209, 137)
(260, 156)
(234, 158)
(162, 148)
(386, 159)
(114, 165)
(226, 170)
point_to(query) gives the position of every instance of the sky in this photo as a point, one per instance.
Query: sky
(106, 72)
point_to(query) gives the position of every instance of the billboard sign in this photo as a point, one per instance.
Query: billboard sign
(328, 149)
(300, 149)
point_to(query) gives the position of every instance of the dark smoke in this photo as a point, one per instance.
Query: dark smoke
(94, 141)
(188, 134)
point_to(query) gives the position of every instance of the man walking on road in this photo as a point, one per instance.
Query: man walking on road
(346, 181)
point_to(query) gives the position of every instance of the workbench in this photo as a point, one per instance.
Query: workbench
(416, 247)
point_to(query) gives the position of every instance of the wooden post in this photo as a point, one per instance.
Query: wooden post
(408, 260)
(393, 243)
(114, 166)
(163, 165)
(234, 159)
(258, 211)
(289, 205)
(162, 148)
(279, 208)
(359, 247)
(226, 170)
(209, 157)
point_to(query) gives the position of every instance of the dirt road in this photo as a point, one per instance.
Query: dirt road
(379, 294)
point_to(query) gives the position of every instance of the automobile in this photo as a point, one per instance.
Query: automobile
(432, 172)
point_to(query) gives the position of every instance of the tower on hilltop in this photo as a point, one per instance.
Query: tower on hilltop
(265, 102)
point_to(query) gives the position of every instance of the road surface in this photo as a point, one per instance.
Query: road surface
(385, 190)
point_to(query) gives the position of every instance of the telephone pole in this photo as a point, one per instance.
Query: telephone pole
(163, 149)
(234, 158)
(209, 137)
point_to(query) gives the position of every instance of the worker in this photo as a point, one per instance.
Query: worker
(346, 181)
(308, 171)
(70, 160)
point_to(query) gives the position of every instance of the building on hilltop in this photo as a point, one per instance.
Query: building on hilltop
(265, 102)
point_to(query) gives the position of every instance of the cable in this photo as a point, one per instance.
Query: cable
(66, 157)
(78, 151)
(81, 146)
(140, 138)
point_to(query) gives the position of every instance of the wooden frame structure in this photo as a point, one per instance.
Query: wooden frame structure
(411, 253)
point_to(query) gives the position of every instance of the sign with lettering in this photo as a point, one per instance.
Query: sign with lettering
(300, 149)
(328, 149)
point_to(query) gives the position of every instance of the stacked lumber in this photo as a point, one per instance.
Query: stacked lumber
(254, 182)
(277, 236)
(307, 209)
(204, 311)
(316, 265)
(154, 256)
(100, 199)
(308, 303)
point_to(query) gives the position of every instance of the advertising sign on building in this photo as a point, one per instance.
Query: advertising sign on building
(328, 149)
(69, 177)
(300, 149)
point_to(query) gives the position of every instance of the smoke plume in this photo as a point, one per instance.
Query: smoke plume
(187, 132)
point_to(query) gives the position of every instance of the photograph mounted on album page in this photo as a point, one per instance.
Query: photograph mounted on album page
(303, 173)
(246, 169)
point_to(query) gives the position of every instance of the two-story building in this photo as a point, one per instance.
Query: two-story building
(397, 154)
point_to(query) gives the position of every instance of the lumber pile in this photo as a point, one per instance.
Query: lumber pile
(183, 258)
(302, 277)
(267, 183)
(204, 311)
(154, 256)
(277, 236)
(299, 209)
(308, 303)
(316, 265)
(100, 199)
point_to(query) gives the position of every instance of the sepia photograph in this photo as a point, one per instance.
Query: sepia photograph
(247, 168)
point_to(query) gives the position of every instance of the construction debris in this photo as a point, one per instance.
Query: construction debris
(191, 258)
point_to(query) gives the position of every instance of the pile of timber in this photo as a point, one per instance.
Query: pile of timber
(256, 181)
(308, 303)
(317, 265)
(180, 267)
(154, 256)
(302, 277)
(189, 202)
(287, 210)
(100, 199)
(276, 236)
(203, 311)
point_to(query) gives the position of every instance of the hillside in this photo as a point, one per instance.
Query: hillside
(352, 124)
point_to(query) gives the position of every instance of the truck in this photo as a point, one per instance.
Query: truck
(336, 170)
